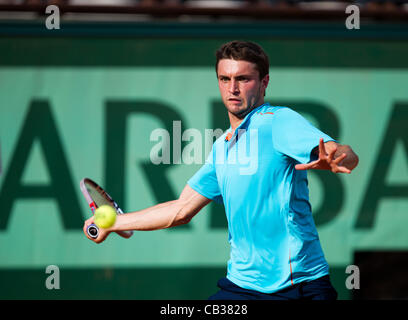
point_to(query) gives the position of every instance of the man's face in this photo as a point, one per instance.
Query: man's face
(240, 87)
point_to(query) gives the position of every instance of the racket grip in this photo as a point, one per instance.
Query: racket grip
(93, 231)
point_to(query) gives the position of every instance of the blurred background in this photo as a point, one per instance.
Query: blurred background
(83, 87)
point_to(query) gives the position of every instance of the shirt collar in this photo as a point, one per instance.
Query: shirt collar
(229, 135)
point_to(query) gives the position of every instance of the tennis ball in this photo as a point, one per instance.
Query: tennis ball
(105, 216)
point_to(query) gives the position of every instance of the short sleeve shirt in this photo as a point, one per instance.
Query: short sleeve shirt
(272, 235)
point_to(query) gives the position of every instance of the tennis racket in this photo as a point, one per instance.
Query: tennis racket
(96, 197)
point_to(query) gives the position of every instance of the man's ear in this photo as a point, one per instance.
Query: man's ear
(265, 82)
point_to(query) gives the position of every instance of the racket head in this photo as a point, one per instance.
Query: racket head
(96, 196)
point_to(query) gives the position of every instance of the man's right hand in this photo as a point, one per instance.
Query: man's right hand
(103, 233)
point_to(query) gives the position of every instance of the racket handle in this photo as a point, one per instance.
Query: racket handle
(93, 231)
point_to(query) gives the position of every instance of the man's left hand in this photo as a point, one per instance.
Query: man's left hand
(326, 161)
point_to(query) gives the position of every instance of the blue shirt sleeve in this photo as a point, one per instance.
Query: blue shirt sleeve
(295, 136)
(205, 181)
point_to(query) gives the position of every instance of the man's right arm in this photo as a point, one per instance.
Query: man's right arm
(164, 215)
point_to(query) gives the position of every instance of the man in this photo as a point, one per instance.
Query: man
(275, 249)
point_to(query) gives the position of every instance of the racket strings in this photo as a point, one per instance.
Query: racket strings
(98, 198)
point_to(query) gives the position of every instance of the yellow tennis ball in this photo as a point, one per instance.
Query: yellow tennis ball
(105, 216)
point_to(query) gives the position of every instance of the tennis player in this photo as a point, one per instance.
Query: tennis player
(275, 248)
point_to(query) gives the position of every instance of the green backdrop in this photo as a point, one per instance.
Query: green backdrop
(82, 102)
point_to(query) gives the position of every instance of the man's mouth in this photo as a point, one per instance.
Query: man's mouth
(234, 100)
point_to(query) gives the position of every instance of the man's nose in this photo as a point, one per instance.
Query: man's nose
(234, 88)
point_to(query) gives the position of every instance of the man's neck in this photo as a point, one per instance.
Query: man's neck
(235, 120)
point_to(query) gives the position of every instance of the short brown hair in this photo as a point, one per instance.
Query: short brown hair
(247, 51)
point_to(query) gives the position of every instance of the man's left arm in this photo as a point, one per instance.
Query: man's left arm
(332, 156)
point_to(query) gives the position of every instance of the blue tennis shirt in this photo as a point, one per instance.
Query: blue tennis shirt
(273, 238)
